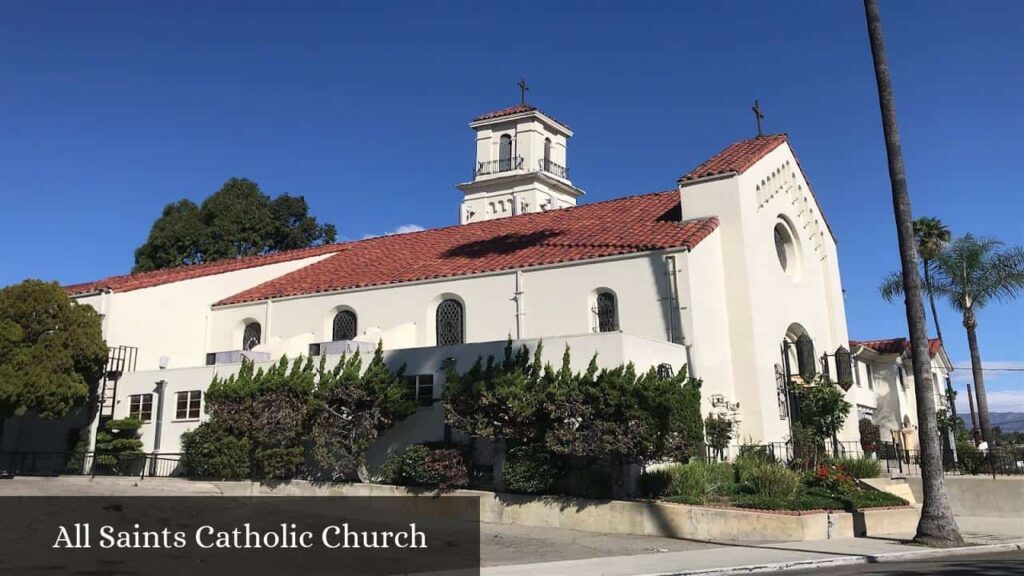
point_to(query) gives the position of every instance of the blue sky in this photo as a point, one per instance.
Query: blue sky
(110, 110)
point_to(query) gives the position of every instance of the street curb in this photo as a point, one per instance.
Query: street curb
(849, 560)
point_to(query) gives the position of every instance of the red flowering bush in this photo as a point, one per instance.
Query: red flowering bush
(833, 478)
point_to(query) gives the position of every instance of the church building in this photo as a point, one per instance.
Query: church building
(732, 271)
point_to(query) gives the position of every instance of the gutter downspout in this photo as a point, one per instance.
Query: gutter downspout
(676, 312)
(161, 389)
(520, 305)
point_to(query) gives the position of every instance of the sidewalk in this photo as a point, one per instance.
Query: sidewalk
(989, 534)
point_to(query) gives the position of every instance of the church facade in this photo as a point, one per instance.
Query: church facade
(725, 272)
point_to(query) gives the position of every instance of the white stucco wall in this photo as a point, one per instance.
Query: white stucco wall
(172, 319)
(556, 301)
(762, 299)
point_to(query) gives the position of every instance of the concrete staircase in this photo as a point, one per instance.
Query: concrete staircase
(895, 486)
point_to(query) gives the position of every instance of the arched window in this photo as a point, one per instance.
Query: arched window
(782, 245)
(505, 153)
(547, 154)
(345, 325)
(252, 335)
(450, 323)
(607, 312)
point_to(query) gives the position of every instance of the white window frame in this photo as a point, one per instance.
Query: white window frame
(137, 404)
(190, 396)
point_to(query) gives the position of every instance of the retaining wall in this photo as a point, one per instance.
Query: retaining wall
(1001, 497)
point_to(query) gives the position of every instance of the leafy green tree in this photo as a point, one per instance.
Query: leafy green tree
(237, 220)
(970, 274)
(52, 351)
(718, 430)
(822, 411)
(176, 238)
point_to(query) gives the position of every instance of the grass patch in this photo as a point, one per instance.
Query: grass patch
(863, 499)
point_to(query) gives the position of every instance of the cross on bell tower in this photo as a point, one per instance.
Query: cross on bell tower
(758, 116)
(523, 89)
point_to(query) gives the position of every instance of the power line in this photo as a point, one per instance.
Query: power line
(990, 369)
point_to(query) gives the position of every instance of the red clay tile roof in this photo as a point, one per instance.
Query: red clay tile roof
(622, 226)
(517, 109)
(128, 282)
(895, 345)
(736, 158)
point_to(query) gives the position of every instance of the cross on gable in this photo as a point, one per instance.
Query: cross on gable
(758, 116)
(523, 88)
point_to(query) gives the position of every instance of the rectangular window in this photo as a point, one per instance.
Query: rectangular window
(856, 372)
(141, 406)
(899, 373)
(871, 377)
(188, 405)
(420, 388)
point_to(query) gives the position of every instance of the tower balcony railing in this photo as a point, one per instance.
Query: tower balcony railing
(498, 166)
(554, 168)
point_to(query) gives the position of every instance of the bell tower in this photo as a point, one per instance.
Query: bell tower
(520, 166)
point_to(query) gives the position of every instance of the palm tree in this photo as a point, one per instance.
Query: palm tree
(931, 236)
(969, 274)
(937, 526)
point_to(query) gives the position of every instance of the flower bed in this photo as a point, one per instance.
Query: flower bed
(755, 482)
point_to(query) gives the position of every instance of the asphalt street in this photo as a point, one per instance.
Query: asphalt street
(999, 564)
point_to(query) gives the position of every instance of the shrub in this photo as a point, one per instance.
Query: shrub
(446, 468)
(419, 465)
(718, 430)
(858, 467)
(210, 451)
(870, 439)
(655, 483)
(118, 447)
(749, 459)
(971, 459)
(586, 478)
(406, 467)
(701, 480)
(529, 470)
(833, 479)
(278, 463)
(772, 481)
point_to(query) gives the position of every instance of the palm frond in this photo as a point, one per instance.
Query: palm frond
(892, 286)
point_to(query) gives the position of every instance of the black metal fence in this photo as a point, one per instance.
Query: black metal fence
(90, 463)
(997, 462)
(893, 459)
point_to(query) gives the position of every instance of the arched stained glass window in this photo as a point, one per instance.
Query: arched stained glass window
(252, 336)
(345, 325)
(450, 323)
(607, 313)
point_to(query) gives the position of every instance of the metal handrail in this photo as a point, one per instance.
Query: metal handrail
(498, 166)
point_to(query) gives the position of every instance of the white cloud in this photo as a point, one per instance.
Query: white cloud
(1004, 384)
(1005, 370)
(1005, 400)
(403, 229)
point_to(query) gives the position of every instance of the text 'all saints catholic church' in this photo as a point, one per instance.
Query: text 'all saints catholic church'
(733, 272)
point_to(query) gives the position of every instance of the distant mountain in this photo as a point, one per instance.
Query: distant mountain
(1007, 421)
